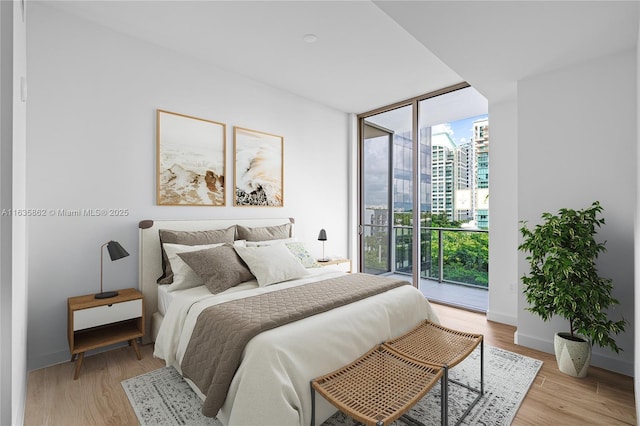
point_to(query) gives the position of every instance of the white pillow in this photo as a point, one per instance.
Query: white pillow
(300, 251)
(271, 264)
(183, 276)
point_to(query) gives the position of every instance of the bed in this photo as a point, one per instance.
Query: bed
(270, 385)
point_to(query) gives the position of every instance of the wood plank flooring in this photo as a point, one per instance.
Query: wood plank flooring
(97, 398)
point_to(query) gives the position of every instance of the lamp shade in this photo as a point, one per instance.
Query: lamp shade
(322, 236)
(116, 251)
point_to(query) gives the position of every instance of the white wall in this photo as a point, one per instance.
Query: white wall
(577, 144)
(503, 238)
(91, 144)
(13, 286)
(6, 118)
(19, 282)
(637, 236)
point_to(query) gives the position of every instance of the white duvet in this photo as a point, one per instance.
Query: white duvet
(271, 386)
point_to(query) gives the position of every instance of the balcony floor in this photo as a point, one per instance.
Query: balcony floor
(471, 298)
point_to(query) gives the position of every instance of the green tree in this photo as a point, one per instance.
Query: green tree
(466, 254)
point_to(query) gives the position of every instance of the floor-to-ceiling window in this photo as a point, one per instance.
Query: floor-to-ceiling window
(376, 189)
(425, 217)
(387, 188)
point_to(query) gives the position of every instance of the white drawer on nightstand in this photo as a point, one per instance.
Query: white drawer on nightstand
(100, 315)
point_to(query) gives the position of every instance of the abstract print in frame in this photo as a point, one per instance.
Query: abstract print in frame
(190, 160)
(259, 174)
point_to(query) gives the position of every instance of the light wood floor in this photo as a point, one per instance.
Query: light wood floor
(97, 398)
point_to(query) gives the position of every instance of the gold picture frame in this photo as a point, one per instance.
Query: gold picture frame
(259, 168)
(190, 163)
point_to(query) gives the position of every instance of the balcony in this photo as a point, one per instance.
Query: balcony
(454, 262)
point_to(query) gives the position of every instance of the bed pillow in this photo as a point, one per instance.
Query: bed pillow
(271, 264)
(268, 242)
(183, 276)
(190, 238)
(300, 251)
(263, 233)
(220, 268)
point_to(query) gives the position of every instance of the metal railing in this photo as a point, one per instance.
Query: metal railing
(453, 255)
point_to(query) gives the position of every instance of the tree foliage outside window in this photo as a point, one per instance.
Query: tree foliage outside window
(465, 254)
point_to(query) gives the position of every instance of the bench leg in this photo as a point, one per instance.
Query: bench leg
(313, 405)
(444, 397)
(480, 391)
(482, 367)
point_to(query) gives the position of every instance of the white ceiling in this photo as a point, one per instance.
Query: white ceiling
(370, 54)
(493, 44)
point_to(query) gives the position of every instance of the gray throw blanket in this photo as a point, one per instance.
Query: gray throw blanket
(222, 331)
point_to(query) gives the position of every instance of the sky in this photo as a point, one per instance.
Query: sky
(461, 131)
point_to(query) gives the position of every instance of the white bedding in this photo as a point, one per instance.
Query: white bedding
(271, 386)
(164, 298)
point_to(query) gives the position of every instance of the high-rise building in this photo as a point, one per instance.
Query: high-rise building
(481, 146)
(460, 176)
(454, 180)
(443, 174)
(464, 194)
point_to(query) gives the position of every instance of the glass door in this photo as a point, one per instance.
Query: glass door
(387, 193)
(376, 184)
(424, 173)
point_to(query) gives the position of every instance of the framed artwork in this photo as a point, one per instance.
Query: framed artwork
(190, 160)
(259, 172)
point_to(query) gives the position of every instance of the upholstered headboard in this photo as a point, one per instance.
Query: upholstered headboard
(150, 255)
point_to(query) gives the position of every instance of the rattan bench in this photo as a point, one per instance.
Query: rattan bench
(379, 387)
(435, 344)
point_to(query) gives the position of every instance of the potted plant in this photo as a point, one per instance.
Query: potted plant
(563, 280)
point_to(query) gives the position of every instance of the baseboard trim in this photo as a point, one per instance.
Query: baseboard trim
(48, 360)
(502, 318)
(64, 356)
(598, 359)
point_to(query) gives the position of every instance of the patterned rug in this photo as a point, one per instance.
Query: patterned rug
(162, 397)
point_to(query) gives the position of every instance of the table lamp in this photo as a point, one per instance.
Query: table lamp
(116, 251)
(322, 237)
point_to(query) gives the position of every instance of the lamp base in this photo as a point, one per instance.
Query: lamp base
(106, 294)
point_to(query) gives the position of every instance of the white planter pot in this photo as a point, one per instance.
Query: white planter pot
(573, 356)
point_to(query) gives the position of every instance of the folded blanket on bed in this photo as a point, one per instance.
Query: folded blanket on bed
(222, 331)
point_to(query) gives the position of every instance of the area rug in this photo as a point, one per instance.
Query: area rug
(162, 397)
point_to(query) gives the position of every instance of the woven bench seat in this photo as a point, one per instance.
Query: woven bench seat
(378, 388)
(434, 344)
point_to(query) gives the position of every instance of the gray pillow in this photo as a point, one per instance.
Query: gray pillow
(264, 233)
(219, 267)
(190, 238)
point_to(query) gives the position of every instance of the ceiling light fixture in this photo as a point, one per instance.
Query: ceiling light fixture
(310, 38)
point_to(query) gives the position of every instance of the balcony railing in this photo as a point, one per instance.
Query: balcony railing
(453, 255)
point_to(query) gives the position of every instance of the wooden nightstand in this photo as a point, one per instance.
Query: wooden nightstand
(336, 262)
(94, 323)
